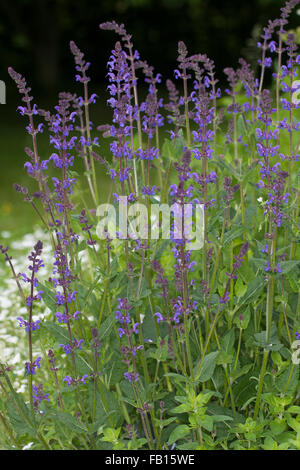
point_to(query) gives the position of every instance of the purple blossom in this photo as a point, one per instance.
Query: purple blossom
(128, 348)
(131, 376)
(149, 190)
(238, 262)
(225, 298)
(81, 65)
(159, 317)
(30, 367)
(71, 381)
(277, 269)
(38, 395)
(68, 348)
(35, 325)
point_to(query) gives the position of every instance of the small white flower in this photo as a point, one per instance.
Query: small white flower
(27, 446)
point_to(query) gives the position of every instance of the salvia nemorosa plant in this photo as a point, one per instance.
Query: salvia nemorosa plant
(174, 324)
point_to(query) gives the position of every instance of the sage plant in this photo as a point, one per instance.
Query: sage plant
(131, 341)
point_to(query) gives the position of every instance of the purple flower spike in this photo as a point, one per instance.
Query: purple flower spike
(35, 325)
(70, 381)
(131, 376)
(225, 298)
(38, 395)
(159, 317)
(30, 368)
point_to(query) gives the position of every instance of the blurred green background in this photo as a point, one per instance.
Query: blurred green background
(34, 39)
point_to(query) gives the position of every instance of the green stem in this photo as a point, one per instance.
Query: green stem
(269, 312)
(19, 407)
(9, 432)
(197, 374)
(260, 383)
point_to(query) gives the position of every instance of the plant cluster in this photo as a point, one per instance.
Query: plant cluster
(148, 344)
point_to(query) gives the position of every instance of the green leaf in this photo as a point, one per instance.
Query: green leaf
(216, 411)
(178, 433)
(48, 297)
(294, 424)
(241, 128)
(82, 366)
(115, 370)
(219, 418)
(248, 174)
(91, 289)
(177, 377)
(165, 422)
(148, 327)
(111, 435)
(285, 379)
(18, 422)
(60, 333)
(259, 263)
(235, 374)
(274, 343)
(183, 408)
(244, 390)
(226, 166)
(293, 282)
(126, 388)
(294, 410)
(208, 367)
(188, 446)
(161, 352)
(242, 320)
(269, 444)
(71, 423)
(206, 422)
(172, 149)
(227, 342)
(240, 288)
(232, 235)
(160, 249)
(224, 358)
(97, 408)
(287, 266)
(278, 426)
(106, 327)
(253, 291)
